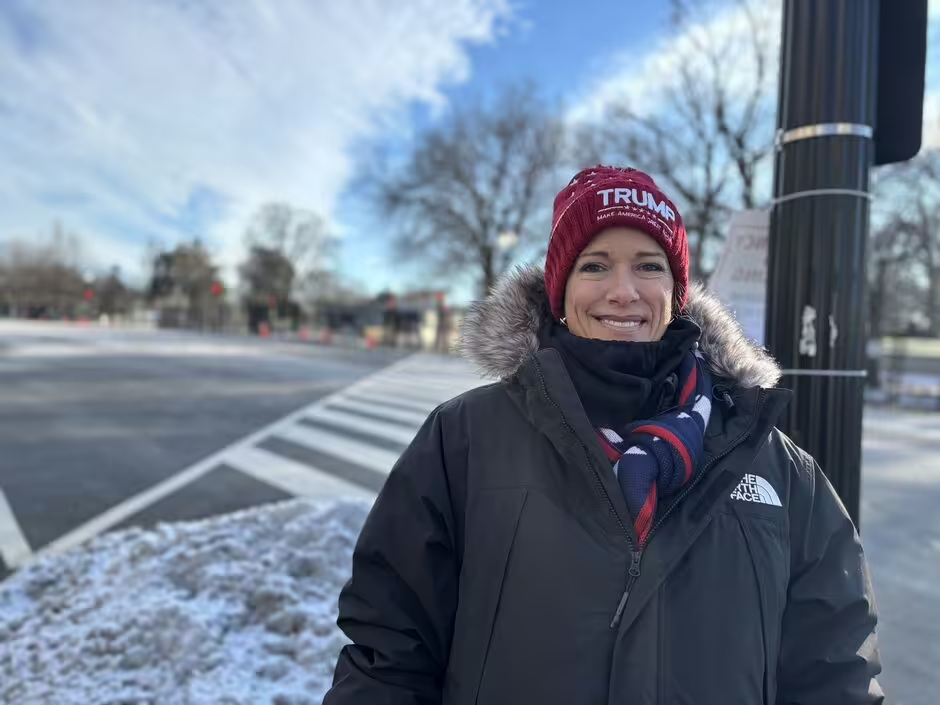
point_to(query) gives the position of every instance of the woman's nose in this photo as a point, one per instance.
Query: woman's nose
(623, 288)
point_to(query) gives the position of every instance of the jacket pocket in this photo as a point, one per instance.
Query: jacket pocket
(767, 550)
(492, 524)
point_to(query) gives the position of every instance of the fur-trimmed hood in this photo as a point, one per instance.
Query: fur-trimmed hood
(500, 332)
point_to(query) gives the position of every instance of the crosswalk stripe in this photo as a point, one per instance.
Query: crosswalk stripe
(406, 389)
(449, 366)
(354, 433)
(396, 402)
(406, 419)
(132, 505)
(432, 373)
(332, 415)
(360, 453)
(330, 464)
(398, 382)
(453, 376)
(409, 388)
(367, 413)
(293, 477)
(431, 382)
(14, 549)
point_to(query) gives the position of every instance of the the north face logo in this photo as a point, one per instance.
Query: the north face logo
(754, 488)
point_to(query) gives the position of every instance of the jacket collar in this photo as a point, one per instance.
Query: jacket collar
(500, 336)
(500, 333)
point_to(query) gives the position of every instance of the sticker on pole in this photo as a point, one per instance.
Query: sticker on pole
(740, 279)
(808, 332)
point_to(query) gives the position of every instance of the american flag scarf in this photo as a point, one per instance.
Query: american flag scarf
(657, 457)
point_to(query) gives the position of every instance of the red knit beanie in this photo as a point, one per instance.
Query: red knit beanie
(604, 197)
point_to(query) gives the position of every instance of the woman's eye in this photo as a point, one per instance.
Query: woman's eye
(592, 268)
(652, 267)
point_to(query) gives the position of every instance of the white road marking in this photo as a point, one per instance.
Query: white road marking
(135, 504)
(416, 406)
(396, 386)
(392, 432)
(415, 418)
(354, 451)
(431, 383)
(293, 477)
(14, 548)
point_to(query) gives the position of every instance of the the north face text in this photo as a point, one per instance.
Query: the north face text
(754, 488)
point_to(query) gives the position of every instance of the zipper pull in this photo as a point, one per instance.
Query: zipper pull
(635, 564)
(721, 392)
(634, 573)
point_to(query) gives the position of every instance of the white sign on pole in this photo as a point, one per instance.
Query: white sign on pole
(740, 279)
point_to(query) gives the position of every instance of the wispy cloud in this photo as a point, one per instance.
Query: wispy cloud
(164, 120)
(646, 78)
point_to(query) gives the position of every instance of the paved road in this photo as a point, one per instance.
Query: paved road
(133, 431)
(90, 418)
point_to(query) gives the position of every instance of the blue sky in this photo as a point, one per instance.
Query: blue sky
(563, 51)
(154, 121)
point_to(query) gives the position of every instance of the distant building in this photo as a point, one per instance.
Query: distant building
(419, 320)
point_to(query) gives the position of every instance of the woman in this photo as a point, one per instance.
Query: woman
(616, 520)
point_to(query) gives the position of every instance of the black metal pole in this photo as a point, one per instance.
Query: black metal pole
(819, 228)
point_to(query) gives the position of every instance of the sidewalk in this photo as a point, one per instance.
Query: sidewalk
(900, 529)
(907, 391)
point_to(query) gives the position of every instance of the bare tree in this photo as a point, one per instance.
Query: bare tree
(891, 258)
(267, 274)
(188, 268)
(43, 277)
(113, 295)
(468, 195)
(300, 236)
(711, 129)
(325, 285)
(891, 286)
(288, 247)
(908, 205)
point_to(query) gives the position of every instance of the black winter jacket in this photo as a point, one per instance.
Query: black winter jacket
(491, 567)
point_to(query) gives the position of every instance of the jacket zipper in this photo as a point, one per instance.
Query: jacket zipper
(632, 575)
(598, 483)
(636, 553)
(634, 571)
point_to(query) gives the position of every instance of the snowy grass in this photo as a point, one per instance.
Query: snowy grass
(234, 610)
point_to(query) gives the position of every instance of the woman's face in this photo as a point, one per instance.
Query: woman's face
(620, 288)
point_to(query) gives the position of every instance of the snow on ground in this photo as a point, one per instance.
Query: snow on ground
(233, 610)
